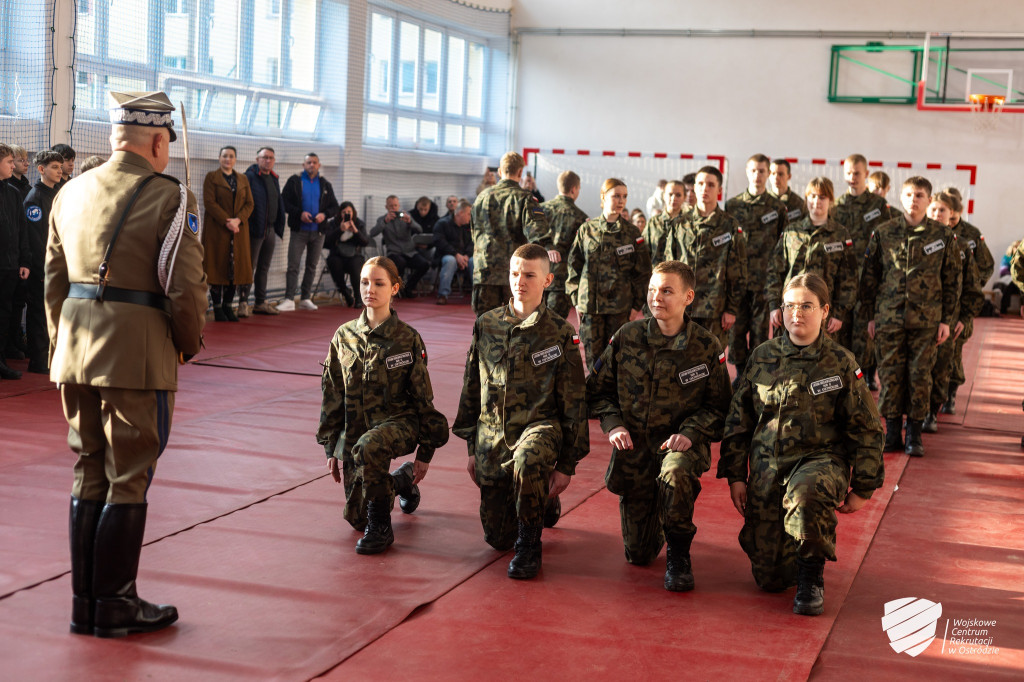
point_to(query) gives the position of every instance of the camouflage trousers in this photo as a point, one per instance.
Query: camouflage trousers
(559, 302)
(365, 466)
(595, 333)
(944, 361)
(957, 377)
(715, 327)
(514, 484)
(906, 358)
(489, 296)
(860, 343)
(750, 329)
(791, 518)
(662, 506)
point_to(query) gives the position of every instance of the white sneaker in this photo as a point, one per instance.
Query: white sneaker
(307, 304)
(286, 305)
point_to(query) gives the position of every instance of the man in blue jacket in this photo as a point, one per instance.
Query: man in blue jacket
(310, 202)
(266, 226)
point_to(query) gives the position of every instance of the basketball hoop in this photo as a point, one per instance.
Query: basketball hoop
(984, 109)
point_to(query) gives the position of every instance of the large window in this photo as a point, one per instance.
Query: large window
(425, 86)
(240, 66)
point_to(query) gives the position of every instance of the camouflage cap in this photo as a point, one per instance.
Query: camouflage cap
(152, 109)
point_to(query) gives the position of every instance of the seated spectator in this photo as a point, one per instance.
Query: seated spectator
(344, 243)
(425, 213)
(637, 218)
(91, 163)
(453, 249)
(398, 229)
(450, 203)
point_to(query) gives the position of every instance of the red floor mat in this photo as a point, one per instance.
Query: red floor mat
(995, 399)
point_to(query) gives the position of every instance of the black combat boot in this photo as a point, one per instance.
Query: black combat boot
(810, 587)
(119, 611)
(408, 494)
(526, 563)
(552, 511)
(893, 434)
(378, 535)
(8, 373)
(678, 575)
(914, 446)
(869, 374)
(931, 421)
(949, 407)
(82, 521)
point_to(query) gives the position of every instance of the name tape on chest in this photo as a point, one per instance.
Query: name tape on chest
(825, 385)
(832, 247)
(722, 239)
(770, 216)
(546, 355)
(623, 250)
(794, 214)
(871, 215)
(400, 360)
(693, 374)
(937, 245)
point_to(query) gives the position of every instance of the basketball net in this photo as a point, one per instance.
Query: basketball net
(985, 110)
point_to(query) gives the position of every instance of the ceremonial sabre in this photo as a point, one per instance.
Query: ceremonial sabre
(184, 142)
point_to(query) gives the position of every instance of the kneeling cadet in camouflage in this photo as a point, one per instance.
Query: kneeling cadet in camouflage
(800, 420)
(378, 405)
(661, 391)
(522, 412)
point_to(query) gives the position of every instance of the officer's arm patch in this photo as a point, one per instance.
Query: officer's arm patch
(193, 223)
(34, 213)
(825, 385)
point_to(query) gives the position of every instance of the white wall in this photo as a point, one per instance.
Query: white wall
(740, 96)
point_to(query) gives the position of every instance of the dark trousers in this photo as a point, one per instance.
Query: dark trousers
(417, 263)
(340, 266)
(261, 250)
(8, 283)
(35, 324)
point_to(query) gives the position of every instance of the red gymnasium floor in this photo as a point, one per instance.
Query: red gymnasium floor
(246, 539)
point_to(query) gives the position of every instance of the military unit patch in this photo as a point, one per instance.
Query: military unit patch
(937, 245)
(400, 360)
(693, 374)
(546, 355)
(34, 213)
(825, 385)
(193, 223)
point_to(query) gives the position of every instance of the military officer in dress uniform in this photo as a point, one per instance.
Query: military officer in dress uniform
(125, 302)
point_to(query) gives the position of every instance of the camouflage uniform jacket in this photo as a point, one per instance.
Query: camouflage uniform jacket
(656, 386)
(565, 218)
(1017, 266)
(609, 268)
(716, 248)
(860, 215)
(762, 217)
(659, 235)
(796, 207)
(505, 216)
(827, 251)
(911, 276)
(971, 297)
(372, 375)
(519, 374)
(983, 261)
(796, 403)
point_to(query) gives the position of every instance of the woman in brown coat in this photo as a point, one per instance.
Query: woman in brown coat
(228, 202)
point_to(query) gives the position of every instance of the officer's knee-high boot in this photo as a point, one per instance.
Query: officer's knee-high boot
(678, 574)
(408, 494)
(226, 306)
(526, 563)
(119, 610)
(914, 446)
(810, 587)
(949, 407)
(552, 511)
(378, 535)
(82, 520)
(893, 434)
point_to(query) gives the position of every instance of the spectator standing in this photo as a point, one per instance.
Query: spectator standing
(226, 257)
(266, 226)
(310, 202)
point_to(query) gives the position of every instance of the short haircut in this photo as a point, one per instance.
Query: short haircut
(821, 185)
(918, 182)
(567, 181)
(390, 197)
(531, 252)
(19, 151)
(311, 154)
(950, 200)
(389, 267)
(64, 150)
(677, 267)
(784, 163)
(610, 184)
(856, 160)
(46, 157)
(709, 170)
(690, 179)
(423, 200)
(759, 158)
(5, 151)
(511, 164)
(91, 162)
(227, 146)
(265, 149)
(813, 282)
(462, 205)
(880, 178)
(954, 191)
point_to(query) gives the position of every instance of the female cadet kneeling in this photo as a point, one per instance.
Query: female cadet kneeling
(378, 405)
(801, 418)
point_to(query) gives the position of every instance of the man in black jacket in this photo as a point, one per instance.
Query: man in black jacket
(14, 252)
(37, 214)
(266, 226)
(310, 202)
(453, 248)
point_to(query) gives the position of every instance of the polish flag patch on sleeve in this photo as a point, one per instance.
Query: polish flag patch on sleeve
(576, 339)
(639, 240)
(423, 353)
(860, 374)
(721, 358)
(849, 242)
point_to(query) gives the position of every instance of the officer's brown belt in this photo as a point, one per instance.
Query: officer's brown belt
(118, 295)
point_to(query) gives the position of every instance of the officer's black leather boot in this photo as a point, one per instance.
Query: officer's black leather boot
(552, 511)
(931, 421)
(378, 535)
(119, 611)
(526, 563)
(949, 407)
(8, 373)
(678, 574)
(408, 494)
(810, 587)
(82, 520)
(893, 434)
(914, 446)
